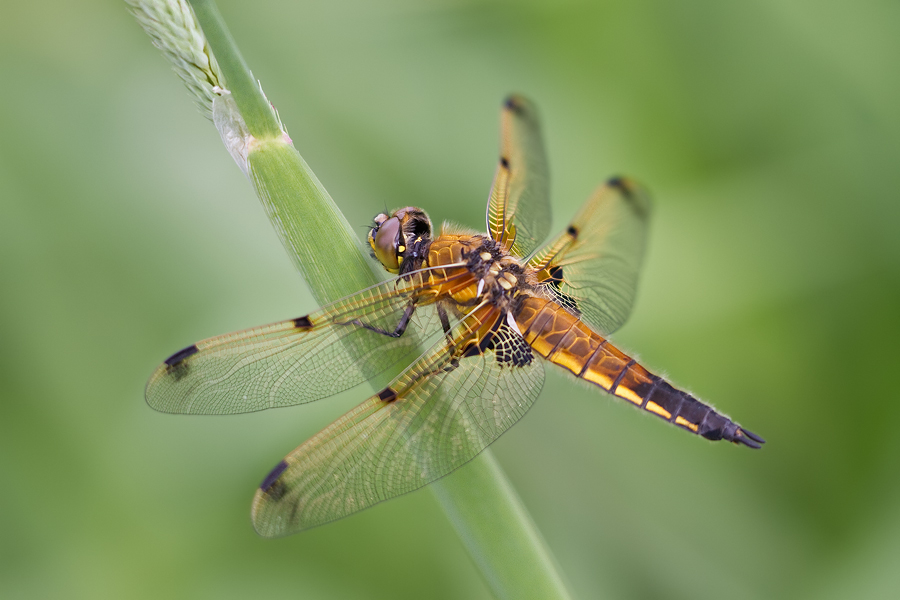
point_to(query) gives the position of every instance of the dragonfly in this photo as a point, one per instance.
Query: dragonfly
(490, 309)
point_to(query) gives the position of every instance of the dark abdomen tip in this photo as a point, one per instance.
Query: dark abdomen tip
(748, 438)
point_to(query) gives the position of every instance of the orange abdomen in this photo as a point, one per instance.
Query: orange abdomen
(563, 339)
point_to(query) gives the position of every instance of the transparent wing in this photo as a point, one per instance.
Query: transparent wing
(300, 360)
(437, 415)
(592, 267)
(518, 213)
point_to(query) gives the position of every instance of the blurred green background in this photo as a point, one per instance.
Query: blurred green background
(769, 133)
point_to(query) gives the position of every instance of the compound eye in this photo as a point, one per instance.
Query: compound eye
(385, 243)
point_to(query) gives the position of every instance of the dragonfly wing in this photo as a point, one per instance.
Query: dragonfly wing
(299, 360)
(518, 213)
(434, 417)
(592, 267)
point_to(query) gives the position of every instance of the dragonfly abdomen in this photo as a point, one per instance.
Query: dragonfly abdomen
(563, 339)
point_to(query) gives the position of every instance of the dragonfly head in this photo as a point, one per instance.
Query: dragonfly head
(400, 241)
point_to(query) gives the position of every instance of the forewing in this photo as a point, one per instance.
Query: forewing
(592, 267)
(296, 361)
(437, 415)
(518, 213)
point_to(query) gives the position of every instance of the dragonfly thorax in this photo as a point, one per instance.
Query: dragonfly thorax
(494, 277)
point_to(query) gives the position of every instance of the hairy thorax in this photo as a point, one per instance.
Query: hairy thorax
(477, 271)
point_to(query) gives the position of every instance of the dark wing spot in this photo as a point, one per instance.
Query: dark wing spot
(513, 350)
(181, 355)
(509, 347)
(484, 344)
(387, 395)
(273, 476)
(302, 322)
(553, 286)
(573, 231)
(478, 349)
(556, 276)
(504, 162)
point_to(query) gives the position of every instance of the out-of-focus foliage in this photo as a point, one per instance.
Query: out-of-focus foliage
(769, 134)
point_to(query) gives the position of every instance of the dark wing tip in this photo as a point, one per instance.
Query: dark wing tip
(273, 476)
(522, 107)
(181, 355)
(514, 103)
(622, 184)
(636, 196)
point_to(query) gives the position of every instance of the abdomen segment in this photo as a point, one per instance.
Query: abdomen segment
(563, 339)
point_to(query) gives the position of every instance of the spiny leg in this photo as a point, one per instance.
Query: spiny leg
(399, 330)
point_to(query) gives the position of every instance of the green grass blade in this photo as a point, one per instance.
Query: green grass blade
(259, 115)
(498, 533)
(328, 254)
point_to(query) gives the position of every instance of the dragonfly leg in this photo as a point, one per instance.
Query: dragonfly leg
(445, 321)
(445, 324)
(401, 325)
